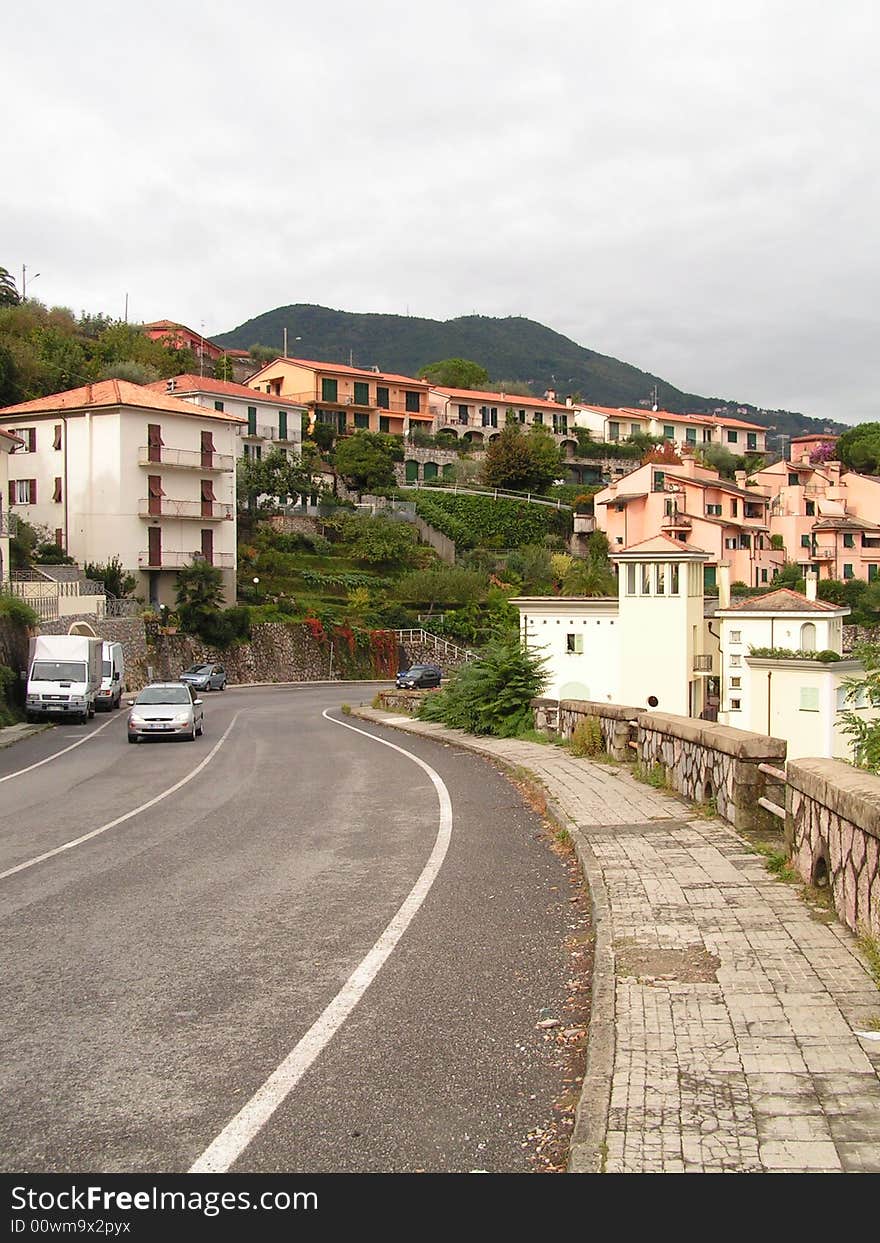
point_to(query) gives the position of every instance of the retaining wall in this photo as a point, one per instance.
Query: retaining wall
(832, 830)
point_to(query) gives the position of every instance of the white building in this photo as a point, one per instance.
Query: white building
(117, 469)
(8, 444)
(266, 422)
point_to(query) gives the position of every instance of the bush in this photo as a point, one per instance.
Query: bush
(17, 611)
(586, 738)
(493, 694)
(8, 681)
(502, 523)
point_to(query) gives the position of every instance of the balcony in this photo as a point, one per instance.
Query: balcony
(8, 525)
(182, 560)
(394, 405)
(262, 431)
(827, 552)
(702, 664)
(676, 522)
(186, 459)
(197, 511)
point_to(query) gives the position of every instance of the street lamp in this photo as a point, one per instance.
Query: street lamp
(24, 281)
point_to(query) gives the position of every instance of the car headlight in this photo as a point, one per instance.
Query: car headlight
(134, 719)
(77, 699)
(181, 718)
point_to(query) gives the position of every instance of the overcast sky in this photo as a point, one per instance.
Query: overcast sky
(690, 186)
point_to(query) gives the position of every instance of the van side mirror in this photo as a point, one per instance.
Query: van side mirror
(115, 677)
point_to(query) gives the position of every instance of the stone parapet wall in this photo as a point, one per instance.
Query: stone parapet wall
(294, 524)
(703, 761)
(832, 830)
(402, 701)
(615, 722)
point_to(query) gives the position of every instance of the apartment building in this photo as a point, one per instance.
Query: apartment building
(8, 444)
(267, 423)
(478, 416)
(348, 398)
(117, 469)
(694, 505)
(684, 431)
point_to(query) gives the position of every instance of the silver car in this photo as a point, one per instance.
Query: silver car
(165, 710)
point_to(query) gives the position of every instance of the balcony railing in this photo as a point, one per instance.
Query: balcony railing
(826, 552)
(181, 560)
(8, 525)
(188, 459)
(395, 405)
(168, 507)
(265, 431)
(676, 522)
(702, 664)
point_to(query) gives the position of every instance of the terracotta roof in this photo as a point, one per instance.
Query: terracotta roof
(207, 384)
(661, 415)
(509, 399)
(750, 494)
(831, 523)
(342, 369)
(623, 498)
(108, 393)
(617, 410)
(783, 600)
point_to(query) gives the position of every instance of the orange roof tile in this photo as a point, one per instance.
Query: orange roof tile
(510, 399)
(341, 369)
(108, 393)
(208, 384)
(659, 543)
(784, 600)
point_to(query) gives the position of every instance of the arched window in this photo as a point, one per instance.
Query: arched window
(808, 637)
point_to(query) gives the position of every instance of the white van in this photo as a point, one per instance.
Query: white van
(112, 677)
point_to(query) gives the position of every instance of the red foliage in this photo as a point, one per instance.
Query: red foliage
(383, 646)
(346, 633)
(315, 629)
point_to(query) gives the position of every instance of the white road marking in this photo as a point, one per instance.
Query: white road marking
(253, 1116)
(129, 815)
(30, 768)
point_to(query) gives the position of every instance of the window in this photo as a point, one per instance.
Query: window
(646, 580)
(729, 543)
(218, 405)
(574, 643)
(631, 580)
(751, 440)
(805, 541)
(614, 431)
(731, 437)
(658, 481)
(412, 405)
(384, 423)
(29, 436)
(56, 439)
(734, 507)
(745, 541)
(809, 699)
(764, 576)
(329, 390)
(735, 684)
(362, 420)
(810, 508)
(673, 580)
(56, 495)
(849, 540)
(660, 578)
(736, 662)
(848, 570)
(707, 434)
(463, 414)
(690, 435)
(361, 393)
(634, 428)
(539, 418)
(253, 452)
(22, 491)
(252, 421)
(384, 402)
(872, 573)
(282, 424)
(668, 431)
(808, 637)
(735, 705)
(736, 636)
(714, 510)
(792, 479)
(521, 415)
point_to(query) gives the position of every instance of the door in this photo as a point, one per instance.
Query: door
(208, 498)
(207, 450)
(154, 535)
(208, 546)
(154, 502)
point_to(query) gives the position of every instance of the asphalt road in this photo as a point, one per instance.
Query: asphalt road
(159, 971)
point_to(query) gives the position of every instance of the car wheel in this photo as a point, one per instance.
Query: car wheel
(200, 730)
(133, 738)
(191, 736)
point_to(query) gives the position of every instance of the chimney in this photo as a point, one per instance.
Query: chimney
(550, 395)
(170, 386)
(569, 401)
(740, 478)
(723, 581)
(811, 584)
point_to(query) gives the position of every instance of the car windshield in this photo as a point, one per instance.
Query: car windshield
(164, 695)
(199, 669)
(58, 671)
(418, 669)
(106, 669)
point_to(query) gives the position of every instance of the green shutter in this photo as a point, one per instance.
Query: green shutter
(252, 420)
(282, 424)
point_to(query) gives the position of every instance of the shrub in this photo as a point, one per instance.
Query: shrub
(493, 694)
(8, 680)
(17, 611)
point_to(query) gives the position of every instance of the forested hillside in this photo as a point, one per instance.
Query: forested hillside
(513, 349)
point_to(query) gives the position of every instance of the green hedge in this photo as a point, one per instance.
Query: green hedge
(470, 521)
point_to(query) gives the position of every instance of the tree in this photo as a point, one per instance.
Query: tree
(864, 693)
(859, 448)
(379, 540)
(111, 573)
(199, 594)
(365, 461)
(276, 477)
(446, 585)
(223, 369)
(9, 295)
(456, 373)
(493, 694)
(521, 463)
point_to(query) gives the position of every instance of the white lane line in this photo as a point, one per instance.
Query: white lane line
(30, 768)
(253, 1116)
(129, 815)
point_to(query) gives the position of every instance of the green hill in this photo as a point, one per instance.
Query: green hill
(511, 349)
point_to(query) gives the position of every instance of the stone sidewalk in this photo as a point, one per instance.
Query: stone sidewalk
(724, 1033)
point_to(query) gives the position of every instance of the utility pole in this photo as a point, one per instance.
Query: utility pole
(285, 342)
(24, 281)
(126, 308)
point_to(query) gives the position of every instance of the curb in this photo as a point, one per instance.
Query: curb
(587, 1154)
(19, 732)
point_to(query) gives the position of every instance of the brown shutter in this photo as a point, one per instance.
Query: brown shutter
(59, 537)
(11, 491)
(57, 493)
(32, 439)
(208, 546)
(207, 450)
(154, 442)
(154, 487)
(154, 536)
(207, 499)
(33, 490)
(56, 443)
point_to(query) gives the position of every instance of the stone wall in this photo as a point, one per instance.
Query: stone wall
(832, 829)
(129, 631)
(859, 634)
(615, 721)
(294, 524)
(402, 701)
(704, 761)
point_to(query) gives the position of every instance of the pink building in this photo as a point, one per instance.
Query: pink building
(694, 505)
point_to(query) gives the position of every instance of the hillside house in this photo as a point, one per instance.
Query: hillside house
(266, 422)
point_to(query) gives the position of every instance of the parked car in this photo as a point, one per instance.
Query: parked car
(205, 677)
(418, 676)
(165, 710)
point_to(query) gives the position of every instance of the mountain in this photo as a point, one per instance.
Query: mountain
(511, 349)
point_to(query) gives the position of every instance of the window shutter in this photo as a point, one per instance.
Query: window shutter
(33, 490)
(56, 443)
(57, 493)
(32, 440)
(11, 491)
(155, 483)
(208, 490)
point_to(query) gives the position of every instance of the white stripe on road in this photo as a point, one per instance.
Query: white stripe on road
(30, 768)
(253, 1116)
(129, 815)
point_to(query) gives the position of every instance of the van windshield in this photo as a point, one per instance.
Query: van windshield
(106, 669)
(58, 671)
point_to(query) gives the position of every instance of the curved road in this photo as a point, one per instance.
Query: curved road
(180, 920)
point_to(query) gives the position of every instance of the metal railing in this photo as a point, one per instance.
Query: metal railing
(265, 431)
(209, 511)
(494, 493)
(125, 607)
(189, 459)
(182, 560)
(346, 400)
(702, 664)
(442, 647)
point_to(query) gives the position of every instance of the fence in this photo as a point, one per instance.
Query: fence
(441, 647)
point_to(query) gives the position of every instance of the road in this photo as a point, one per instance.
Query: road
(189, 941)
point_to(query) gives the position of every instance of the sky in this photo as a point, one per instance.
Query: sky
(687, 185)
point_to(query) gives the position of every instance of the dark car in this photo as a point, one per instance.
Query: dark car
(418, 676)
(205, 677)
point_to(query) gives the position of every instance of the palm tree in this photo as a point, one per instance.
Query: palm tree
(8, 293)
